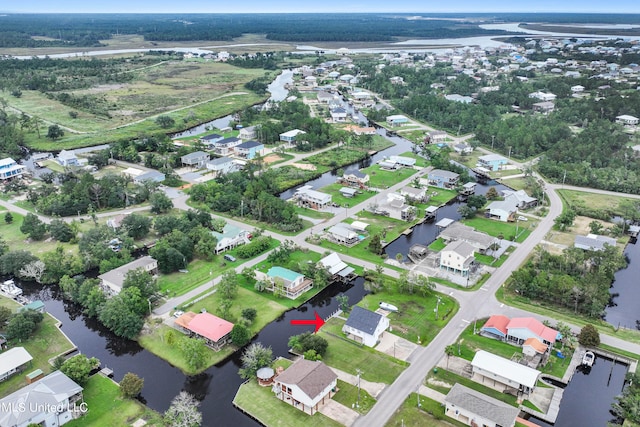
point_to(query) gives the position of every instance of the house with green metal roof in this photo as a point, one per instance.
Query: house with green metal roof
(286, 282)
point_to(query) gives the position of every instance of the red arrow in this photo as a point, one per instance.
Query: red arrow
(317, 321)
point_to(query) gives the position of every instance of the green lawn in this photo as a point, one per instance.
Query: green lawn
(594, 201)
(489, 260)
(498, 228)
(262, 404)
(348, 396)
(338, 198)
(437, 245)
(17, 241)
(348, 356)
(106, 407)
(556, 366)
(439, 196)
(449, 378)
(471, 343)
(429, 414)
(312, 213)
(420, 161)
(379, 178)
(46, 343)
(415, 316)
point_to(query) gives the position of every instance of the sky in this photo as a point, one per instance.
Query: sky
(278, 6)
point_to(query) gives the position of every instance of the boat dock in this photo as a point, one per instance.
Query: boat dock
(554, 407)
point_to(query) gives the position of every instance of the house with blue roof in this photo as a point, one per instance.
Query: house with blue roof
(249, 149)
(365, 326)
(285, 282)
(210, 140)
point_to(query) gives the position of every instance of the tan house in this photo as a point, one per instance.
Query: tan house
(306, 385)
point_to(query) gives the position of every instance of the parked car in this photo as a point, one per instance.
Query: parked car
(230, 258)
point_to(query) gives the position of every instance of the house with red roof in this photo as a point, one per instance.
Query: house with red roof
(215, 331)
(532, 347)
(496, 327)
(521, 329)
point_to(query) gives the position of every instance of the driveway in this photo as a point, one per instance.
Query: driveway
(338, 412)
(396, 346)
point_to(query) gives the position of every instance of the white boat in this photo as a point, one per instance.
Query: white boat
(9, 288)
(588, 358)
(388, 307)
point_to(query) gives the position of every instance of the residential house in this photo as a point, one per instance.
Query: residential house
(355, 179)
(215, 332)
(503, 210)
(210, 140)
(492, 162)
(593, 242)
(544, 107)
(358, 130)
(395, 206)
(325, 97)
(36, 305)
(388, 165)
(542, 96)
(473, 408)
(532, 347)
(442, 178)
(306, 385)
(415, 194)
(348, 192)
(291, 137)
(222, 166)
(455, 97)
(197, 159)
(250, 132)
(577, 89)
(364, 326)
(249, 149)
(462, 148)
(13, 361)
(397, 120)
(521, 198)
(362, 97)
(496, 327)
(310, 81)
(9, 168)
(226, 146)
(627, 120)
(457, 257)
(402, 161)
(312, 199)
(343, 234)
(520, 329)
(503, 374)
(150, 176)
(49, 402)
(337, 269)
(68, 158)
(338, 115)
(457, 231)
(290, 283)
(396, 80)
(230, 238)
(112, 280)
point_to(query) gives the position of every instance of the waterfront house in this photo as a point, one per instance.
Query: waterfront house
(365, 326)
(415, 194)
(544, 107)
(397, 120)
(462, 148)
(502, 210)
(287, 282)
(36, 305)
(593, 242)
(325, 97)
(291, 137)
(197, 159)
(442, 178)
(457, 231)
(473, 408)
(492, 162)
(249, 149)
(67, 158)
(503, 374)
(343, 234)
(521, 198)
(337, 269)
(210, 140)
(250, 132)
(435, 137)
(222, 166)
(520, 329)
(532, 347)
(402, 161)
(112, 280)
(13, 361)
(306, 385)
(150, 176)
(395, 206)
(230, 238)
(215, 332)
(457, 258)
(495, 327)
(225, 146)
(9, 168)
(348, 192)
(49, 402)
(355, 179)
(312, 199)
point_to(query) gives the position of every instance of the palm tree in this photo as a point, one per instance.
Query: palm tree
(449, 350)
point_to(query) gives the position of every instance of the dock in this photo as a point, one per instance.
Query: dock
(106, 372)
(554, 407)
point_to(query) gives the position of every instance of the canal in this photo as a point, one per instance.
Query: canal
(623, 308)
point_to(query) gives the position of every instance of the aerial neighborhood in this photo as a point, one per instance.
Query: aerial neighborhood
(246, 236)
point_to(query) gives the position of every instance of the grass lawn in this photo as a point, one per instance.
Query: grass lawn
(470, 343)
(262, 404)
(348, 356)
(437, 245)
(530, 405)
(415, 316)
(46, 343)
(515, 183)
(106, 406)
(379, 178)
(594, 201)
(17, 241)
(348, 395)
(312, 213)
(489, 260)
(420, 161)
(337, 197)
(430, 413)
(442, 376)
(556, 366)
(496, 228)
(439, 196)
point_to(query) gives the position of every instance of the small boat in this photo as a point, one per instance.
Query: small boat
(588, 358)
(388, 307)
(9, 287)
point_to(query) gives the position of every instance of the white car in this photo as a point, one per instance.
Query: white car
(178, 313)
(522, 218)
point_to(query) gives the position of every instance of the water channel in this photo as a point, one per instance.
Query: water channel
(623, 309)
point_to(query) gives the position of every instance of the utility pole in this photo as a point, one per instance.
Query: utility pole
(359, 373)
(493, 137)
(436, 310)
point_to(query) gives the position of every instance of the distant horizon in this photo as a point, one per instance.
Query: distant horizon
(327, 6)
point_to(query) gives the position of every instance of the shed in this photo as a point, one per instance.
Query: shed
(34, 376)
(35, 305)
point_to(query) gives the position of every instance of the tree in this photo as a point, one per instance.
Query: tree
(4, 247)
(311, 355)
(228, 285)
(476, 201)
(194, 351)
(131, 385)
(137, 226)
(35, 270)
(141, 279)
(117, 315)
(79, 367)
(307, 341)
(165, 122)
(627, 404)
(375, 245)
(492, 193)
(23, 324)
(466, 212)
(8, 217)
(596, 227)
(5, 315)
(240, 335)
(55, 132)
(343, 302)
(254, 357)
(33, 227)
(250, 314)
(183, 411)
(565, 219)
(449, 350)
(589, 336)
(160, 203)
(13, 261)
(61, 230)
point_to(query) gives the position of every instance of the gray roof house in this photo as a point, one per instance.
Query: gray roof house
(365, 326)
(474, 408)
(52, 401)
(113, 280)
(67, 158)
(12, 361)
(523, 200)
(195, 159)
(222, 166)
(306, 385)
(458, 231)
(152, 176)
(593, 242)
(343, 234)
(442, 178)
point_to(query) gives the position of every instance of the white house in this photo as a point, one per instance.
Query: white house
(13, 361)
(222, 166)
(293, 283)
(250, 132)
(230, 237)
(306, 385)
(337, 268)
(503, 374)
(290, 137)
(49, 402)
(457, 257)
(112, 280)
(343, 234)
(339, 115)
(503, 210)
(397, 120)
(9, 168)
(365, 326)
(67, 158)
(627, 120)
(542, 96)
(473, 408)
(312, 199)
